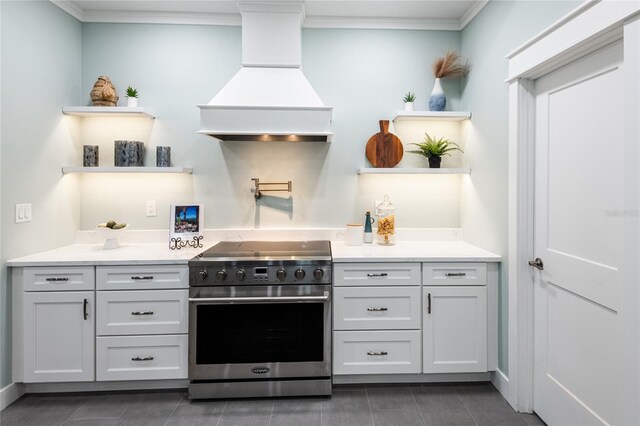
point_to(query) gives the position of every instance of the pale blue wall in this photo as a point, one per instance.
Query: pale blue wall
(40, 72)
(497, 30)
(363, 74)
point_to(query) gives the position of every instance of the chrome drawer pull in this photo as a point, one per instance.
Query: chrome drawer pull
(138, 277)
(382, 274)
(456, 274)
(381, 353)
(372, 309)
(57, 279)
(142, 358)
(142, 313)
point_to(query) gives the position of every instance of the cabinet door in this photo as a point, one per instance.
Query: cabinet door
(376, 352)
(59, 336)
(374, 274)
(142, 312)
(455, 329)
(142, 277)
(376, 308)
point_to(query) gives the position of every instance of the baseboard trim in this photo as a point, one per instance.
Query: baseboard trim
(10, 393)
(107, 386)
(501, 382)
(410, 378)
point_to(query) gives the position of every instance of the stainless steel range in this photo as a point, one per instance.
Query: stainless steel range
(260, 320)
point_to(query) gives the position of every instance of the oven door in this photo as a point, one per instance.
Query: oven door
(259, 333)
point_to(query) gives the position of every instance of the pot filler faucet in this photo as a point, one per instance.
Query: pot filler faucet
(258, 189)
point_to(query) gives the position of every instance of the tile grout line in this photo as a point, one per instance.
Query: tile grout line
(465, 407)
(71, 415)
(174, 409)
(221, 413)
(273, 404)
(416, 401)
(366, 391)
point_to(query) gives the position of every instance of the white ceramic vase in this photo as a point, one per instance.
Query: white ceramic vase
(437, 100)
(408, 106)
(132, 102)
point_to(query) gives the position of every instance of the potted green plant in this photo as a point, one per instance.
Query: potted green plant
(434, 149)
(408, 99)
(132, 97)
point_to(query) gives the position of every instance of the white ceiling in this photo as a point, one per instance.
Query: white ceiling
(401, 14)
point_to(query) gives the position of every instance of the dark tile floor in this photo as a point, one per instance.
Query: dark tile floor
(401, 405)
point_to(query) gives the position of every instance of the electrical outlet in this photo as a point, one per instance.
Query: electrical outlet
(151, 208)
(23, 213)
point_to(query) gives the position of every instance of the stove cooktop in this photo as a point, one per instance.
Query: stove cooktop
(267, 250)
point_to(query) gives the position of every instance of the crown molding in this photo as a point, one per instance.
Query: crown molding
(228, 19)
(183, 18)
(383, 23)
(70, 8)
(472, 12)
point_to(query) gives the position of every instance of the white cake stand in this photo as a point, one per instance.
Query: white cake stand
(110, 236)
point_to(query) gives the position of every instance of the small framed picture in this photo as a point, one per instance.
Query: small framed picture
(187, 220)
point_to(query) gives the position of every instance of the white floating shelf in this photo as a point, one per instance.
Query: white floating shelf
(432, 115)
(187, 170)
(88, 111)
(411, 170)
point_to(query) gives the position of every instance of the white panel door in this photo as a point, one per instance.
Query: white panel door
(455, 329)
(578, 236)
(59, 336)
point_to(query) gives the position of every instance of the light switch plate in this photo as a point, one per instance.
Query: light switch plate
(23, 213)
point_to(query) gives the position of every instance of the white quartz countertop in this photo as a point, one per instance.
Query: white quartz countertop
(160, 254)
(412, 251)
(127, 254)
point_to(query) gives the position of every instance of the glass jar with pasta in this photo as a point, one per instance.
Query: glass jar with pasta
(386, 222)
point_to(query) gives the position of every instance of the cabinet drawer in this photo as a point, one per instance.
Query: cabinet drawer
(141, 357)
(455, 274)
(376, 308)
(371, 274)
(59, 278)
(376, 352)
(142, 312)
(142, 277)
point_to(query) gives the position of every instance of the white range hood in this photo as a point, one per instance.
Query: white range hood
(269, 99)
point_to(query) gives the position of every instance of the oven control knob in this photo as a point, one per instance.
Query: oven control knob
(299, 274)
(203, 275)
(221, 275)
(318, 274)
(240, 274)
(281, 274)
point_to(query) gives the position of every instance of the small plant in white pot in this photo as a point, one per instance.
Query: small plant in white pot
(408, 99)
(132, 97)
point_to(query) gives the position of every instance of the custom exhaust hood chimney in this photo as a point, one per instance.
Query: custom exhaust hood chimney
(269, 98)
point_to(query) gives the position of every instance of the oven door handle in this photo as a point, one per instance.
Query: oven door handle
(221, 300)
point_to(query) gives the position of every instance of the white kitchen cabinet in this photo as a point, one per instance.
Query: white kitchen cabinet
(59, 278)
(376, 318)
(376, 352)
(455, 329)
(142, 277)
(58, 336)
(455, 274)
(142, 312)
(142, 323)
(376, 308)
(376, 274)
(141, 357)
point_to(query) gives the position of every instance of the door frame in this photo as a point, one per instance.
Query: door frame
(590, 26)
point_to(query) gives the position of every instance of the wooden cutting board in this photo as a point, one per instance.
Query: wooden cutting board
(384, 149)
